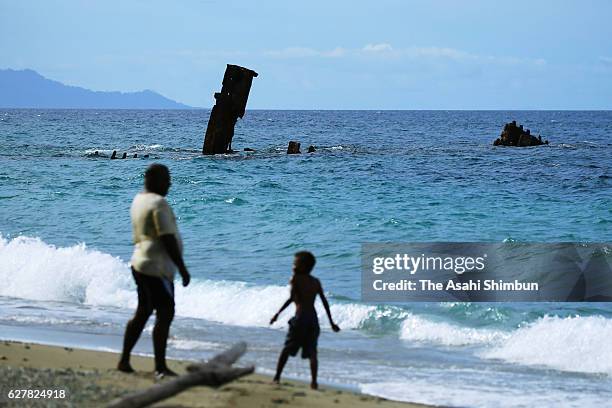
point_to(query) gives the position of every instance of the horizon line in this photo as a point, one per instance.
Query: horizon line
(192, 108)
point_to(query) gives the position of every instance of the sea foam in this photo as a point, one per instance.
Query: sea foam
(419, 329)
(459, 392)
(33, 269)
(572, 344)
(578, 344)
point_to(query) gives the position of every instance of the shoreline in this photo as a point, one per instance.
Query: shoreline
(89, 377)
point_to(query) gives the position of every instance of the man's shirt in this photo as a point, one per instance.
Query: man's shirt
(152, 217)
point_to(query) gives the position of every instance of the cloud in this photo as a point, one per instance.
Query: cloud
(442, 53)
(437, 52)
(386, 50)
(606, 60)
(160, 57)
(336, 52)
(382, 47)
(305, 52)
(293, 52)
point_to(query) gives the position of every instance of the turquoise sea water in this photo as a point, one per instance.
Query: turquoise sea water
(400, 176)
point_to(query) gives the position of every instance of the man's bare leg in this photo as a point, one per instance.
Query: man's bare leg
(133, 330)
(160, 339)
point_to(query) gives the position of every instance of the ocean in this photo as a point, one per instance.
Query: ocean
(377, 176)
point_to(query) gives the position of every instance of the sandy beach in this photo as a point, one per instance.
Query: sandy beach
(89, 379)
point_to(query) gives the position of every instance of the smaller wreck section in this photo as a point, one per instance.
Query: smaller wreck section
(230, 104)
(513, 135)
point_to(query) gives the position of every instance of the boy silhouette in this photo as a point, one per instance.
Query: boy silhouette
(304, 326)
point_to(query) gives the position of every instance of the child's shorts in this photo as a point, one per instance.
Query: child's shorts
(303, 333)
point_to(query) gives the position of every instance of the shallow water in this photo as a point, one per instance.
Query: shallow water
(377, 176)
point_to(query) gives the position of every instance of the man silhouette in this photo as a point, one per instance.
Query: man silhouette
(157, 255)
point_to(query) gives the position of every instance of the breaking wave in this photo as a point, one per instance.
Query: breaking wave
(33, 269)
(418, 329)
(576, 344)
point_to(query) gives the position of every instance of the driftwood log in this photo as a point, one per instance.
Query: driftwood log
(230, 104)
(213, 373)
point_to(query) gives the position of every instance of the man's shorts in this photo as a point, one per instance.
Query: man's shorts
(153, 292)
(303, 333)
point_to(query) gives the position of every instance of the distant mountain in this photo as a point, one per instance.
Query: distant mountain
(28, 89)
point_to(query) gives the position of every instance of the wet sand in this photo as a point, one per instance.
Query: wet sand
(89, 379)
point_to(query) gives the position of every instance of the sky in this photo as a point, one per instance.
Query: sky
(331, 54)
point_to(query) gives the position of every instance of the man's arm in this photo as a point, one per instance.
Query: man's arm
(333, 325)
(172, 248)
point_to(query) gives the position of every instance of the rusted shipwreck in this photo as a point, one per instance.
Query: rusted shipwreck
(230, 104)
(514, 135)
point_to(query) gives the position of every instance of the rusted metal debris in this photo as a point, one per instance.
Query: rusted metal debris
(514, 135)
(293, 148)
(229, 106)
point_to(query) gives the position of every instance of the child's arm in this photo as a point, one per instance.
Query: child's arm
(285, 305)
(333, 325)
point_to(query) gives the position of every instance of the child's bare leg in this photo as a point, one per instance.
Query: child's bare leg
(314, 365)
(282, 360)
